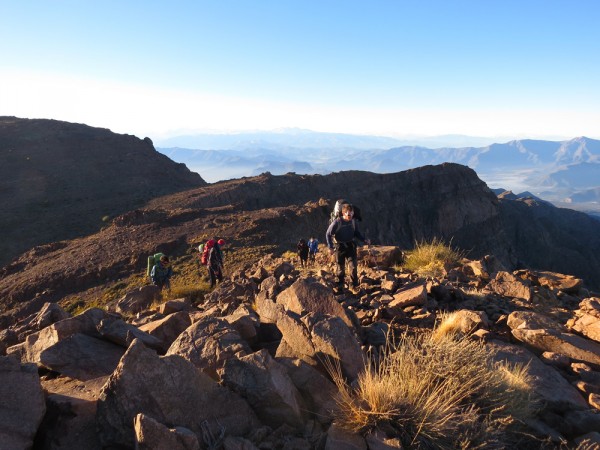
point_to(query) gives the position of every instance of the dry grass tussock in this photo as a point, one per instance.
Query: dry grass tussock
(442, 393)
(431, 258)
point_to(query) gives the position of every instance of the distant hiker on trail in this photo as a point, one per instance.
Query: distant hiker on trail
(161, 273)
(313, 249)
(340, 239)
(215, 262)
(302, 247)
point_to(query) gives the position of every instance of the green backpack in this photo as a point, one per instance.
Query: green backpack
(152, 261)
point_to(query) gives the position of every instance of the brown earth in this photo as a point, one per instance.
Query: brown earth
(61, 180)
(270, 213)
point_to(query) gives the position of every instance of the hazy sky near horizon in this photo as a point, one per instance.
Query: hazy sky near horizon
(507, 68)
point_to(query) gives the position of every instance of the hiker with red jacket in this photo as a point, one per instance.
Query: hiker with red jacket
(340, 238)
(215, 262)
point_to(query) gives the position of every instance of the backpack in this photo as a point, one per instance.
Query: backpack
(337, 210)
(152, 261)
(205, 251)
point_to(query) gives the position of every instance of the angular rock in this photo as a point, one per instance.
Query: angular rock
(176, 305)
(531, 320)
(559, 281)
(137, 300)
(332, 339)
(152, 435)
(23, 404)
(547, 340)
(547, 384)
(380, 255)
(47, 315)
(411, 295)
(307, 295)
(317, 391)
(208, 343)
(265, 384)
(121, 333)
(267, 309)
(587, 321)
(82, 357)
(246, 322)
(506, 284)
(296, 339)
(167, 329)
(70, 420)
(172, 391)
(270, 286)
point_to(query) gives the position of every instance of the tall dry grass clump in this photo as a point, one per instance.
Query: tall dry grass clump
(442, 393)
(431, 258)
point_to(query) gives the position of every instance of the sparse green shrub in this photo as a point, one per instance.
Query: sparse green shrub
(445, 393)
(431, 258)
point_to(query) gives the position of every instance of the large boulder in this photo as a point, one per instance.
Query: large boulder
(172, 391)
(23, 404)
(307, 295)
(548, 340)
(208, 343)
(265, 384)
(122, 333)
(380, 255)
(548, 385)
(82, 357)
(508, 285)
(70, 420)
(531, 320)
(137, 300)
(168, 328)
(317, 390)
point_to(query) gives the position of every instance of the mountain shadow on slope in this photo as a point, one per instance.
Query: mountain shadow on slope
(59, 180)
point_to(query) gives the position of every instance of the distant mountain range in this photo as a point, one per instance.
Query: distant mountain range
(563, 172)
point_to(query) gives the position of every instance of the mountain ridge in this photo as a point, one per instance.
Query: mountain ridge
(60, 180)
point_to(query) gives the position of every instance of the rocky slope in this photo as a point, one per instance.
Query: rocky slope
(59, 180)
(268, 213)
(245, 367)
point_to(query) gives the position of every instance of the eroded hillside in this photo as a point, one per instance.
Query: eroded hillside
(270, 213)
(61, 180)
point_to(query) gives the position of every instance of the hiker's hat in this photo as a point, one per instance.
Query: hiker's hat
(221, 242)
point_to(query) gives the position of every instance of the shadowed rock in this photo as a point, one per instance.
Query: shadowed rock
(265, 384)
(23, 404)
(172, 391)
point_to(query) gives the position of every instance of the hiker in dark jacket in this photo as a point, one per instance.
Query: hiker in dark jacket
(161, 273)
(215, 263)
(302, 247)
(340, 238)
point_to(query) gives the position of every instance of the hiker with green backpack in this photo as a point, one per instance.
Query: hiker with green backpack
(340, 238)
(161, 272)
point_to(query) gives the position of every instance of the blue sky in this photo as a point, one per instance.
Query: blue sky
(403, 68)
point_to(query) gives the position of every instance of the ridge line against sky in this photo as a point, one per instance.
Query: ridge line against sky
(520, 69)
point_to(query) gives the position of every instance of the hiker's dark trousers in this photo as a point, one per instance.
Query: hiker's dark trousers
(346, 251)
(214, 274)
